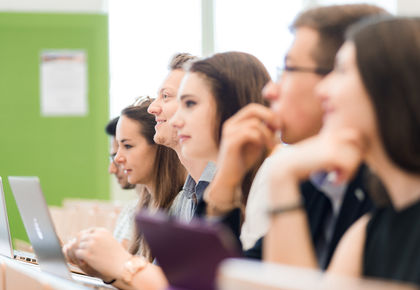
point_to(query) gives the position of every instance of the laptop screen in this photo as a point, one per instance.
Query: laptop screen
(38, 224)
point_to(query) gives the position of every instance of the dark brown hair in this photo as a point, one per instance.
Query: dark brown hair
(390, 73)
(111, 127)
(331, 23)
(236, 79)
(168, 172)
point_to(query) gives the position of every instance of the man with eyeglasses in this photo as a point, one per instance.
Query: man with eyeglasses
(296, 114)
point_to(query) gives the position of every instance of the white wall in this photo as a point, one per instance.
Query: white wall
(119, 194)
(408, 7)
(404, 7)
(80, 6)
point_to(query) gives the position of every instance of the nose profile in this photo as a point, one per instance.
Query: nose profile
(176, 121)
(270, 91)
(154, 108)
(119, 158)
(322, 89)
(112, 168)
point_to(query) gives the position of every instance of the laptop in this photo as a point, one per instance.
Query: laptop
(189, 254)
(6, 246)
(41, 232)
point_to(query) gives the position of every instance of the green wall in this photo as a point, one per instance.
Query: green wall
(69, 154)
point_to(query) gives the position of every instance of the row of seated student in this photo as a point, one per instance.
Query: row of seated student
(347, 103)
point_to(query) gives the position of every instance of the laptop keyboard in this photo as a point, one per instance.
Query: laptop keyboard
(25, 257)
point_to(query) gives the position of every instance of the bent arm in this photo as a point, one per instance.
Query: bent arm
(289, 240)
(348, 258)
(151, 277)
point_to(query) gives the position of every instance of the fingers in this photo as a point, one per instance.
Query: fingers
(355, 138)
(68, 250)
(347, 150)
(91, 234)
(337, 152)
(86, 250)
(242, 144)
(83, 240)
(247, 132)
(85, 244)
(348, 163)
(82, 255)
(259, 112)
(250, 131)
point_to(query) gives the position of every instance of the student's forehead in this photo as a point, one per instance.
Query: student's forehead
(188, 82)
(173, 80)
(346, 54)
(165, 88)
(304, 45)
(126, 126)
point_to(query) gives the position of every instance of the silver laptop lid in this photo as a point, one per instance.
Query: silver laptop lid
(38, 224)
(6, 248)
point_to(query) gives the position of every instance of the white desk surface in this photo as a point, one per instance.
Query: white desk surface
(245, 275)
(35, 272)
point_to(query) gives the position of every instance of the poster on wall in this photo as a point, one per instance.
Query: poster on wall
(63, 83)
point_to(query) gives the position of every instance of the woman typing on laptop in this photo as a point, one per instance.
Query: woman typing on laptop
(155, 166)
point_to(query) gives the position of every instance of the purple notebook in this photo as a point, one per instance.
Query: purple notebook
(188, 254)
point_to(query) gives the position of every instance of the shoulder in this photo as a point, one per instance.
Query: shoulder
(177, 203)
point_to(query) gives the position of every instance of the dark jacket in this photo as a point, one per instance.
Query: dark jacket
(356, 203)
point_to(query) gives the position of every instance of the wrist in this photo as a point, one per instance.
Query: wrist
(109, 281)
(225, 182)
(221, 201)
(276, 210)
(290, 165)
(130, 268)
(284, 189)
(222, 189)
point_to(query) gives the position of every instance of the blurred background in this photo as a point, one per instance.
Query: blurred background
(127, 45)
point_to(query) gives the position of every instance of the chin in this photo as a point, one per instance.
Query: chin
(127, 186)
(131, 181)
(134, 182)
(159, 139)
(286, 138)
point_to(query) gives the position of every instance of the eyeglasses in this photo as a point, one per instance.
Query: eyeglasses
(112, 158)
(141, 100)
(292, 69)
